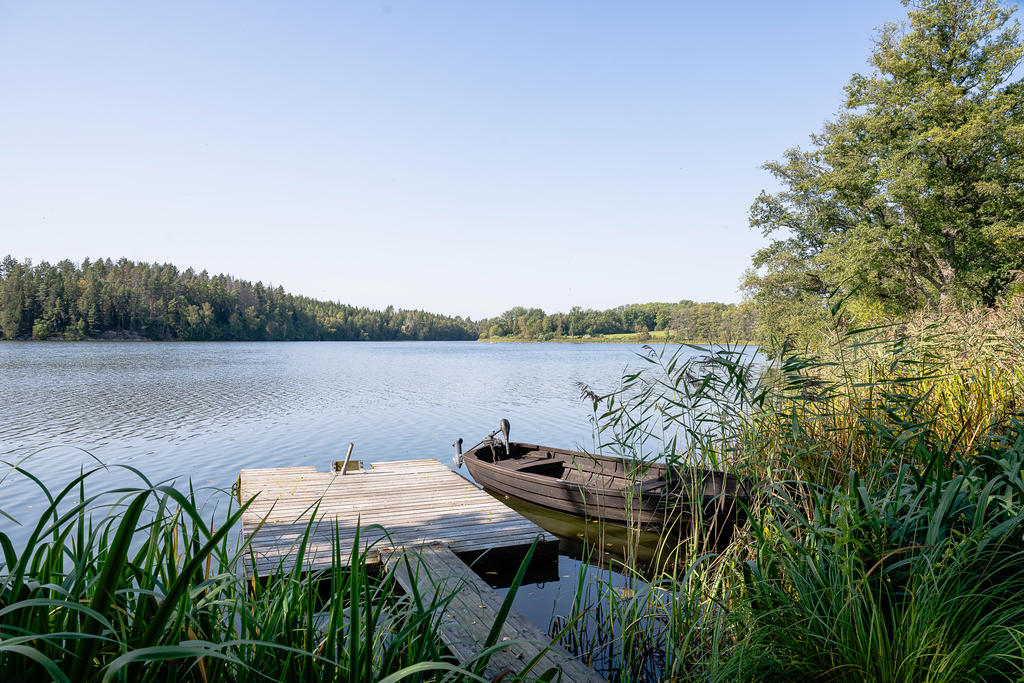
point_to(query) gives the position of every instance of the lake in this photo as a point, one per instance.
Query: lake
(206, 410)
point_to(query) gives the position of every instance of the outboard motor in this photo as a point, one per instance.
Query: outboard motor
(458, 452)
(504, 426)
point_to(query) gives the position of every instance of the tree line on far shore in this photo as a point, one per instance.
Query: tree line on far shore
(683, 321)
(133, 300)
(126, 299)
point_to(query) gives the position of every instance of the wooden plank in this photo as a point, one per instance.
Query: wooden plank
(355, 498)
(465, 542)
(351, 479)
(424, 466)
(413, 513)
(323, 557)
(429, 508)
(471, 539)
(416, 501)
(426, 507)
(296, 468)
(448, 531)
(435, 571)
(318, 553)
(468, 522)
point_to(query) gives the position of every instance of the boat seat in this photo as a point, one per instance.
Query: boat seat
(525, 461)
(653, 485)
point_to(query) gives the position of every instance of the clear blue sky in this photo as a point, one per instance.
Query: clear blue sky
(462, 157)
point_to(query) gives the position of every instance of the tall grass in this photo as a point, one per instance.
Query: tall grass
(917, 580)
(887, 539)
(133, 584)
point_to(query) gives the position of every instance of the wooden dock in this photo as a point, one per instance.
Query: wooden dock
(416, 502)
(419, 510)
(466, 622)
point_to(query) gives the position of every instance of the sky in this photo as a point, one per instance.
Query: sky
(458, 157)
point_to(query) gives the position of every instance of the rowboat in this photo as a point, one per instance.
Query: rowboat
(602, 486)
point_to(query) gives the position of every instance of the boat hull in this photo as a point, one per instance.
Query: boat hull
(603, 487)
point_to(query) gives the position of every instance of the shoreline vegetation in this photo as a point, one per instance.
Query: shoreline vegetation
(709, 322)
(162, 303)
(890, 510)
(611, 339)
(126, 300)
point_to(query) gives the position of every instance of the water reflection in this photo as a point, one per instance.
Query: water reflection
(594, 558)
(206, 410)
(604, 545)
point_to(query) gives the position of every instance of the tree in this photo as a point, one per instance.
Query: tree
(159, 302)
(914, 194)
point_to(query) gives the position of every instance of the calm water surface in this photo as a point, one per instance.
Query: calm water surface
(206, 410)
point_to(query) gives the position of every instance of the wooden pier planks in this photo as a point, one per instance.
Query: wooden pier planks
(467, 621)
(429, 513)
(417, 502)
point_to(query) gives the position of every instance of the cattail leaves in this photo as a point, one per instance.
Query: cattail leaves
(887, 542)
(135, 585)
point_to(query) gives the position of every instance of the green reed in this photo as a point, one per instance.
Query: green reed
(134, 584)
(885, 541)
(916, 579)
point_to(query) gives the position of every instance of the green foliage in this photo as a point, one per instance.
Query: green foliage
(688, 320)
(41, 330)
(126, 299)
(916, 580)
(912, 195)
(887, 539)
(133, 584)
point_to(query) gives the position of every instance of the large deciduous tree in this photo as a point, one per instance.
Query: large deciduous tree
(914, 194)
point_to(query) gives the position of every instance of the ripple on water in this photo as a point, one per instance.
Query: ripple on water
(206, 410)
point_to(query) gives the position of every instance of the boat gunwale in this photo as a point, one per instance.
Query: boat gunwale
(558, 482)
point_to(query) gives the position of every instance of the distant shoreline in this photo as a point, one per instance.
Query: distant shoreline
(605, 340)
(631, 339)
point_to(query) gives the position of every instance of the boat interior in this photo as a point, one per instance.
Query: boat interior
(579, 468)
(586, 469)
